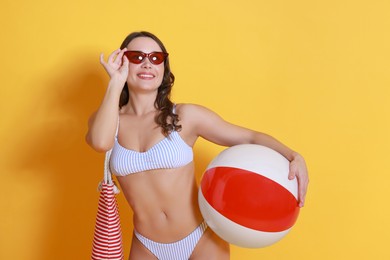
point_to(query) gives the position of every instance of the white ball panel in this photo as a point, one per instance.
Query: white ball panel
(258, 159)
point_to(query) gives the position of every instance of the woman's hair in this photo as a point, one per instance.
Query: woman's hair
(166, 118)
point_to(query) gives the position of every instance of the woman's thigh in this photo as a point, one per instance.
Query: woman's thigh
(139, 251)
(211, 247)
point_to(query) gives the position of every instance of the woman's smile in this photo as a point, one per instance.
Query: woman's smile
(146, 75)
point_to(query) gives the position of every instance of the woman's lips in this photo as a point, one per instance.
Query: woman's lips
(145, 75)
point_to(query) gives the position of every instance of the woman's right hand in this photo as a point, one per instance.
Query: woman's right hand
(117, 65)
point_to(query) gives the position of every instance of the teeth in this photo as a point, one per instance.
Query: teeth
(146, 76)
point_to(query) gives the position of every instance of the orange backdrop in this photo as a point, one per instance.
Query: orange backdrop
(314, 74)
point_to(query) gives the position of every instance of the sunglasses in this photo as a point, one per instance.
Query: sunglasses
(138, 57)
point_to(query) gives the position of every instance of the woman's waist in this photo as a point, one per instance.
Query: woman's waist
(167, 225)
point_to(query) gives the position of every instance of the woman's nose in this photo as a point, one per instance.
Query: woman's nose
(146, 63)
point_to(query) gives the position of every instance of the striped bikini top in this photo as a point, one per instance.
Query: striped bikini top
(171, 152)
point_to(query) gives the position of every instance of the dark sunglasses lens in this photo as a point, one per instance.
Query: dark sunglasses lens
(135, 56)
(157, 57)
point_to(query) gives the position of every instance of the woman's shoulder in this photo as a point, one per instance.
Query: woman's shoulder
(190, 108)
(194, 113)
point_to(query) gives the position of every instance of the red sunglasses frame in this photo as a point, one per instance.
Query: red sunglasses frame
(137, 57)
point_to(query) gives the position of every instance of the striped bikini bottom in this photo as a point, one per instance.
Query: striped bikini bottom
(180, 250)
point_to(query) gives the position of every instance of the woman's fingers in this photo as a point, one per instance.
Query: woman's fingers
(125, 64)
(102, 61)
(117, 63)
(119, 56)
(303, 183)
(113, 55)
(298, 170)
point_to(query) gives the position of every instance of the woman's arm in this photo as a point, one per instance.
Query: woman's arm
(103, 123)
(212, 127)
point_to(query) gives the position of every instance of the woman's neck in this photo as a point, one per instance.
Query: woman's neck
(140, 104)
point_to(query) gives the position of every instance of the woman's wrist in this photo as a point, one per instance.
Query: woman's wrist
(294, 156)
(116, 84)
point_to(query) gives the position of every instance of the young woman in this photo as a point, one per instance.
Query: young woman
(151, 140)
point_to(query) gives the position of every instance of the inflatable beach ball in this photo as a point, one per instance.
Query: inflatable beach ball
(246, 198)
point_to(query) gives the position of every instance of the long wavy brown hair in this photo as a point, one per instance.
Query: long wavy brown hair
(166, 118)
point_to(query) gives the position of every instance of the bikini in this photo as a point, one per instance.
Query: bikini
(171, 152)
(179, 250)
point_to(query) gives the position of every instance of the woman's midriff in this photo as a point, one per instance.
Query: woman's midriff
(164, 202)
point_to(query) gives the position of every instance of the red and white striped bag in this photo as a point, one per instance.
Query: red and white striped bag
(107, 240)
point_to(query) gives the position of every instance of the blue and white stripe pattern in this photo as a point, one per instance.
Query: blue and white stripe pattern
(171, 152)
(180, 250)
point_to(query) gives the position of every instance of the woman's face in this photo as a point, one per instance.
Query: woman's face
(144, 76)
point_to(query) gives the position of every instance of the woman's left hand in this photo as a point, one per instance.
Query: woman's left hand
(298, 170)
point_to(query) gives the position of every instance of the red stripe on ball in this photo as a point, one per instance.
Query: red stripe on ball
(250, 199)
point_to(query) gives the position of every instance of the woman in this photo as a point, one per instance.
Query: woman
(152, 157)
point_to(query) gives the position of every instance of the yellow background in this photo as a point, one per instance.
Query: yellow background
(314, 74)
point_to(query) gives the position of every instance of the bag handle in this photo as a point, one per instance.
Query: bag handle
(107, 174)
(107, 171)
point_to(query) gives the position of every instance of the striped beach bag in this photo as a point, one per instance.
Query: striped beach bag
(107, 240)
